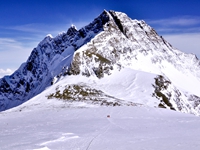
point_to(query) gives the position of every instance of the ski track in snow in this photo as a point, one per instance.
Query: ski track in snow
(105, 129)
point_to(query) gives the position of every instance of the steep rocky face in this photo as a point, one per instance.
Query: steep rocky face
(133, 44)
(113, 41)
(171, 97)
(49, 59)
(126, 42)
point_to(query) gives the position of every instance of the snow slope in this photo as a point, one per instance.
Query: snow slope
(136, 88)
(89, 128)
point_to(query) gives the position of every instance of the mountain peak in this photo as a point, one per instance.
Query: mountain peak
(73, 26)
(72, 30)
(109, 44)
(49, 35)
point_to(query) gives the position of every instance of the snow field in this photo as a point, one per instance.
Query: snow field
(138, 128)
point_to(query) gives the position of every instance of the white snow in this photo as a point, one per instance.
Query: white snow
(49, 35)
(135, 86)
(138, 128)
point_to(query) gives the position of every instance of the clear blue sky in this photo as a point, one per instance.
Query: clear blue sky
(24, 23)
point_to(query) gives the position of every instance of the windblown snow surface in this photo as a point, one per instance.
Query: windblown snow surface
(90, 128)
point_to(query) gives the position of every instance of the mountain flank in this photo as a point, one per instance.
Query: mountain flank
(122, 62)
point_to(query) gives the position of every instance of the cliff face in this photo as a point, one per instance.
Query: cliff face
(112, 42)
(50, 58)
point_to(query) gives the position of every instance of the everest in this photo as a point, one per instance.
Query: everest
(113, 61)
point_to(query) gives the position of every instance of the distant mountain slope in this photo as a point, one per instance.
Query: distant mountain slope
(113, 45)
(51, 57)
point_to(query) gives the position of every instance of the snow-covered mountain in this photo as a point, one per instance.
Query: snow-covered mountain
(112, 61)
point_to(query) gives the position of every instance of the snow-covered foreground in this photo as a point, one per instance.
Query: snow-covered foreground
(138, 128)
